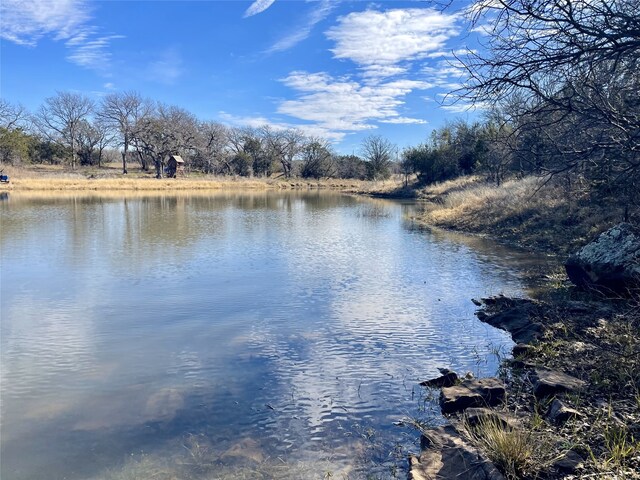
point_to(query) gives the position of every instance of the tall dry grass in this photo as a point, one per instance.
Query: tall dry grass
(534, 212)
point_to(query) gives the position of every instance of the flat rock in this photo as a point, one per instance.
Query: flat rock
(552, 382)
(611, 262)
(512, 315)
(476, 415)
(447, 379)
(446, 456)
(560, 413)
(485, 392)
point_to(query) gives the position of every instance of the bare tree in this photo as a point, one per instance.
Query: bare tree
(210, 144)
(12, 116)
(93, 138)
(60, 118)
(574, 68)
(318, 161)
(170, 130)
(284, 146)
(122, 112)
(379, 153)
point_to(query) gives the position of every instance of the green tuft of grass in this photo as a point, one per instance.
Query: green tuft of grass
(516, 452)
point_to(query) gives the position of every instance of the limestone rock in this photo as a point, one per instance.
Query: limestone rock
(446, 456)
(447, 379)
(611, 262)
(485, 392)
(552, 382)
(560, 413)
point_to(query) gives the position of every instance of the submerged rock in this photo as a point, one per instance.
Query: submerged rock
(245, 451)
(447, 456)
(485, 392)
(552, 382)
(447, 379)
(611, 262)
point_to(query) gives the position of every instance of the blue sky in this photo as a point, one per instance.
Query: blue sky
(339, 69)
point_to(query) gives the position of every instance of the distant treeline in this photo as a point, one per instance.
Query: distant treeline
(71, 129)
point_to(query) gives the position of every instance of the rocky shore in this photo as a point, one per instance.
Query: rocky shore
(567, 404)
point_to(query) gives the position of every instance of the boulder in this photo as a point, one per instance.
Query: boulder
(611, 262)
(447, 456)
(560, 413)
(485, 392)
(550, 383)
(447, 379)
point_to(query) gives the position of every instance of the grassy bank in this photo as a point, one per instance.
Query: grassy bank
(543, 215)
(110, 178)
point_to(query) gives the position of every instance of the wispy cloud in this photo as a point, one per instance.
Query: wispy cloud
(318, 14)
(257, 7)
(27, 22)
(167, 68)
(92, 53)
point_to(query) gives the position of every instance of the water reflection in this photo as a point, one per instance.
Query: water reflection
(222, 333)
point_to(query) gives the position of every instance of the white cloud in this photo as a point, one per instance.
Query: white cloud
(260, 121)
(343, 104)
(246, 121)
(257, 7)
(26, 22)
(303, 31)
(387, 38)
(405, 120)
(376, 72)
(464, 107)
(446, 73)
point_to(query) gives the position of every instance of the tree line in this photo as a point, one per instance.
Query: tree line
(70, 128)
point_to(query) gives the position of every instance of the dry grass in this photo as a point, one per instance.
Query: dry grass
(444, 188)
(52, 178)
(545, 216)
(517, 452)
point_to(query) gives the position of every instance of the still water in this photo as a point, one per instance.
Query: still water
(248, 335)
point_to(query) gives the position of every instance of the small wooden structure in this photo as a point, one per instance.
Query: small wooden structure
(175, 165)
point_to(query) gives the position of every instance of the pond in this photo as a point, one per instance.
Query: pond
(231, 335)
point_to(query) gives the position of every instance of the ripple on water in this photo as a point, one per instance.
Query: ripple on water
(173, 330)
